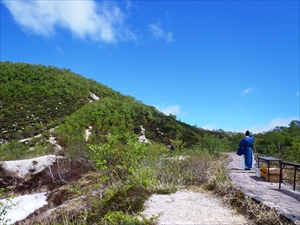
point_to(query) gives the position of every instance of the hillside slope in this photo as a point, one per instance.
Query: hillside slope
(36, 98)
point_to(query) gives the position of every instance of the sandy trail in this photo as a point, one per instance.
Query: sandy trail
(190, 207)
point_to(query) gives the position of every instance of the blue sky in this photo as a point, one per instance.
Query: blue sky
(231, 65)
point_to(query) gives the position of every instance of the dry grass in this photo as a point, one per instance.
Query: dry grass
(256, 212)
(93, 200)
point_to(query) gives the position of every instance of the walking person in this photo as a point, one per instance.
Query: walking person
(245, 148)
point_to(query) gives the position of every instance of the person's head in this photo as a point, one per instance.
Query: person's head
(247, 133)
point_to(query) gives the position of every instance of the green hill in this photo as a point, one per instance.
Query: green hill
(105, 171)
(35, 98)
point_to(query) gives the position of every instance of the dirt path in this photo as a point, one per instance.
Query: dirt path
(190, 207)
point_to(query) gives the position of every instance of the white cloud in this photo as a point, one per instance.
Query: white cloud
(158, 33)
(246, 91)
(210, 127)
(173, 109)
(297, 94)
(272, 124)
(98, 21)
(284, 122)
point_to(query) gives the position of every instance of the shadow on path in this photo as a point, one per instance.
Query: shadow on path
(286, 201)
(290, 193)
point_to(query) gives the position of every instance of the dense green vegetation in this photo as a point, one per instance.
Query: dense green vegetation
(36, 98)
(40, 102)
(282, 142)
(127, 172)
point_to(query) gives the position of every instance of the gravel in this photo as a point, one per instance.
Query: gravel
(191, 207)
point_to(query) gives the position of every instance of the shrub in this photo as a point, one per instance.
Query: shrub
(129, 200)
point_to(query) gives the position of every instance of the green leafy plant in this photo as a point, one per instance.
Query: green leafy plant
(5, 205)
(119, 217)
(121, 157)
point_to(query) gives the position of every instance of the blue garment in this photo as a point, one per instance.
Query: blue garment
(245, 148)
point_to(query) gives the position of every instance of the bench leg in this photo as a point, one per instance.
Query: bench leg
(295, 179)
(280, 178)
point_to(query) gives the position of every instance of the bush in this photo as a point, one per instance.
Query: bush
(129, 200)
(13, 151)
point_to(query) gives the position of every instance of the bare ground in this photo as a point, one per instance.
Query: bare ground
(191, 207)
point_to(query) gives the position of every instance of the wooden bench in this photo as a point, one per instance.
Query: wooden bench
(296, 167)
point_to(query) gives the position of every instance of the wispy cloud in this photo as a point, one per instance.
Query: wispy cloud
(159, 33)
(210, 127)
(279, 121)
(255, 129)
(297, 94)
(59, 50)
(94, 20)
(246, 91)
(167, 110)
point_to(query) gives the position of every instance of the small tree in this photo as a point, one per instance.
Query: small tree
(121, 156)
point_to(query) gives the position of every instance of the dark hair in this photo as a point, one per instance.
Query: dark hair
(247, 133)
